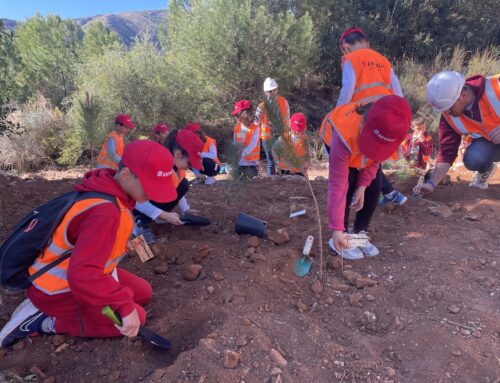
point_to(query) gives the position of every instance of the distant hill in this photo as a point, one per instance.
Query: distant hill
(126, 25)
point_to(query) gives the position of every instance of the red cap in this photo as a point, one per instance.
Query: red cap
(241, 106)
(125, 120)
(193, 145)
(192, 126)
(387, 123)
(298, 122)
(161, 128)
(152, 163)
(348, 31)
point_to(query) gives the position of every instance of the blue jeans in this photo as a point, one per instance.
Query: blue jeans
(480, 155)
(269, 159)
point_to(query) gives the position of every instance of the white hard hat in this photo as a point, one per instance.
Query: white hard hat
(444, 89)
(270, 84)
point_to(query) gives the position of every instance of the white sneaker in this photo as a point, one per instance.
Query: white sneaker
(351, 254)
(24, 322)
(480, 180)
(210, 181)
(369, 250)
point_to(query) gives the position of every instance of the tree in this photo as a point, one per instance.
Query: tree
(98, 39)
(48, 49)
(88, 120)
(8, 62)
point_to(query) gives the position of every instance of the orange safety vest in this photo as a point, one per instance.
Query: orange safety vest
(265, 127)
(206, 147)
(489, 107)
(325, 131)
(104, 159)
(373, 75)
(244, 137)
(300, 149)
(178, 176)
(347, 123)
(55, 280)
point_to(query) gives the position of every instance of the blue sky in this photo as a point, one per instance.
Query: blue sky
(22, 9)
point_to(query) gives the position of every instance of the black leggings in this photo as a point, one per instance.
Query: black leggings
(210, 167)
(372, 192)
(182, 189)
(386, 185)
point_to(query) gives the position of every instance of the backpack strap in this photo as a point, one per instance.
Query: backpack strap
(66, 255)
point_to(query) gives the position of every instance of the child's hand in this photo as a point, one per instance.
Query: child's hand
(340, 240)
(130, 324)
(359, 198)
(171, 217)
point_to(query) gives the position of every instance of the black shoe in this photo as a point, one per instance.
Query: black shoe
(144, 229)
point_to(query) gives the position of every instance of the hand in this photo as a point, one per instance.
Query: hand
(495, 135)
(340, 240)
(192, 211)
(130, 324)
(171, 217)
(359, 198)
(422, 189)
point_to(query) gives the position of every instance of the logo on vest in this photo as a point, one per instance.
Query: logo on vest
(382, 137)
(161, 173)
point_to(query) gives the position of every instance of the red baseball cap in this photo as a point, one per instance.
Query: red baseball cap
(298, 122)
(350, 30)
(192, 126)
(193, 145)
(386, 125)
(153, 164)
(161, 128)
(241, 106)
(125, 120)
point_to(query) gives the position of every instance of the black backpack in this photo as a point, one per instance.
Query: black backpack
(32, 234)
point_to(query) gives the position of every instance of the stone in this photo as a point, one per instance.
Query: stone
(351, 276)
(301, 306)
(58, 339)
(370, 298)
(19, 345)
(330, 300)
(257, 258)
(334, 263)
(210, 344)
(361, 283)
(192, 272)
(231, 359)
(340, 287)
(217, 276)
(453, 309)
(277, 358)
(477, 334)
(61, 348)
(161, 269)
(370, 317)
(473, 217)
(456, 352)
(456, 207)
(114, 376)
(390, 371)
(355, 300)
(253, 241)
(249, 252)
(316, 287)
(50, 379)
(465, 332)
(276, 371)
(242, 341)
(279, 237)
(442, 211)
(210, 289)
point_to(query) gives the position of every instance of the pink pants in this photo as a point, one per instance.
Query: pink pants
(78, 320)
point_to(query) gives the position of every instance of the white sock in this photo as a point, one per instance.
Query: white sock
(183, 205)
(48, 326)
(390, 195)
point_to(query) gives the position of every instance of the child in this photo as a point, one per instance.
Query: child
(417, 146)
(363, 138)
(185, 147)
(271, 93)
(112, 148)
(298, 143)
(68, 298)
(367, 76)
(247, 135)
(160, 131)
(210, 161)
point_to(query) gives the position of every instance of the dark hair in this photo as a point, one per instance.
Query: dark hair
(171, 143)
(200, 133)
(364, 109)
(354, 37)
(121, 166)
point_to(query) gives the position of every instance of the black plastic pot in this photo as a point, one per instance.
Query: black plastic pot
(195, 220)
(246, 224)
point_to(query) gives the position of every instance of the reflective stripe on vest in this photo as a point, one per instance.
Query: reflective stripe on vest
(104, 159)
(372, 85)
(265, 132)
(244, 137)
(55, 281)
(489, 108)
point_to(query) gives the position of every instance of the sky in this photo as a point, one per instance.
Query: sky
(22, 9)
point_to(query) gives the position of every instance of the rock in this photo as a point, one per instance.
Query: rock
(473, 217)
(249, 252)
(340, 287)
(257, 257)
(456, 352)
(204, 251)
(453, 309)
(390, 371)
(276, 371)
(217, 276)
(192, 272)
(442, 211)
(330, 300)
(355, 300)
(162, 269)
(210, 344)
(114, 376)
(477, 334)
(241, 341)
(316, 287)
(361, 283)
(58, 339)
(231, 359)
(247, 322)
(456, 207)
(370, 317)
(334, 263)
(50, 379)
(351, 276)
(279, 237)
(19, 345)
(370, 298)
(210, 289)
(301, 306)
(465, 332)
(398, 323)
(61, 348)
(277, 358)
(253, 241)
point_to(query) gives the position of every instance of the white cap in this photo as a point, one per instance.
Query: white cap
(444, 89)
(270, 84)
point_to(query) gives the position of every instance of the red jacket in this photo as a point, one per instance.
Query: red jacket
(423, 149)
(93, 233)
(449, 139)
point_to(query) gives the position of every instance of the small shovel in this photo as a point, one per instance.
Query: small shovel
(144, 332)
(303, 265)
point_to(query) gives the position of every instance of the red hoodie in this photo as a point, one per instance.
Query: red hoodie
(93, 233)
